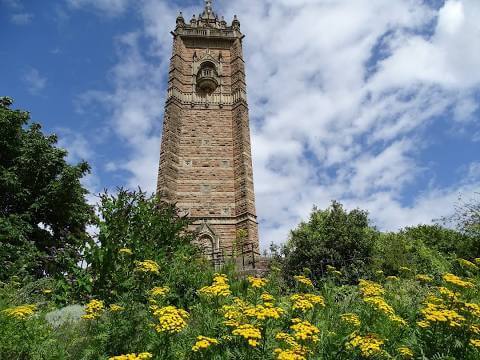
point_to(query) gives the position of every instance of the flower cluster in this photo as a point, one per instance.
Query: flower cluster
(159, 291)
(303, 280)
(256, 282)
(351, 319)
(437, 312)
(204, 342)
(93, 310)
(455, 280)
(219, 287)
(261, 312)
(147, 266)
(467, 264)
(267, 298)
(170, 319)
(369, 288)
(475, 343)
(305, 302)
(20, 312)
(249, 332)
(141, 356)
(405, 352)
(369, 345)
(305, 331)
(424, 278)
(372, 295)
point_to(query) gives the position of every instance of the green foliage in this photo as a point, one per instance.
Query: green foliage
(43, 212)
(333, 237)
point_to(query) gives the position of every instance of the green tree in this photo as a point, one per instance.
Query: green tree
(333, 237)
(43, 211)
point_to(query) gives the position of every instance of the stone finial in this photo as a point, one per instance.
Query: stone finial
(235, 23)
(180, 19)
(208, 6)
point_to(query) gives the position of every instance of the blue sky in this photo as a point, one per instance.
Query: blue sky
(374, 103)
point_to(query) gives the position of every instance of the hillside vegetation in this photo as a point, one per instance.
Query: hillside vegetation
(135, 287)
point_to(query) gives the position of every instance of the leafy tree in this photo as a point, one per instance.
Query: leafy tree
(146, 229)
(334, 237)
(43, 211)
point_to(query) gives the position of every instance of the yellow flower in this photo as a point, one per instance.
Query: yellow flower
(475, 343)
(266, 297)
(303, 280)
(369, 345)
(219, 287)
(305, 331)
(47, 291)
(261, 312)
(475, 329)
(116, 308)
(424, 278)
(249, 333)
(467, 264)
(170, 319)
(405, 269)
(93, 310)
(351, 318)
(20, 312)
(477, 261)
(141, 356)
(405, 352)
(472, 308)
(369, 288)
(423, 324)
(391, 278)
(159, 291)
(290, 354)
(204, 342)
(125, 251)
(147, 266)
(305, 302)
(256, 282)
(455, 280)
(439, 313)
(449, 294)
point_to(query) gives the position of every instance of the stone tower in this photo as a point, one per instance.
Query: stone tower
(205, 159)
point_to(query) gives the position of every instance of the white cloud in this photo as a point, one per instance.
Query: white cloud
(34, 81)
(107, 7)
(21, 18)
(343, 94)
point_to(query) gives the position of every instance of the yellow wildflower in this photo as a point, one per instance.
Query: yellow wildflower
(369, 288)
(405, 352)
(93, 310)
(116, 308)
(303, 280)
(170, 319)
(47, 291)
(475, 343)
(219, 287)
(475, 329)
(472, 308)
(256, 282)
(391, 278)
(126, 251)
(404, 268)
(424, 278)
(455, 280)
(440, 313)
(305, 302)
(369, 345)
(249, 333)
(204, 342)
(20, 312)
(477, 261)
(159, 291)
(147, 266)
(449, 294)
(423, 324)
(303, 330)
(351, 318)
(261, 312)
(290, 354)
(141, 356)
(467, 264)
(266, 297)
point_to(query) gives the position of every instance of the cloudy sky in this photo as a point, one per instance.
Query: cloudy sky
(375, 103)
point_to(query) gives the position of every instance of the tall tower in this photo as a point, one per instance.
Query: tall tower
(205, 159)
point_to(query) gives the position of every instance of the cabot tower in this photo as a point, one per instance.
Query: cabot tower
(205, 159)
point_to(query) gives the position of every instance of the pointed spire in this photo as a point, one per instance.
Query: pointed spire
(208, 6)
